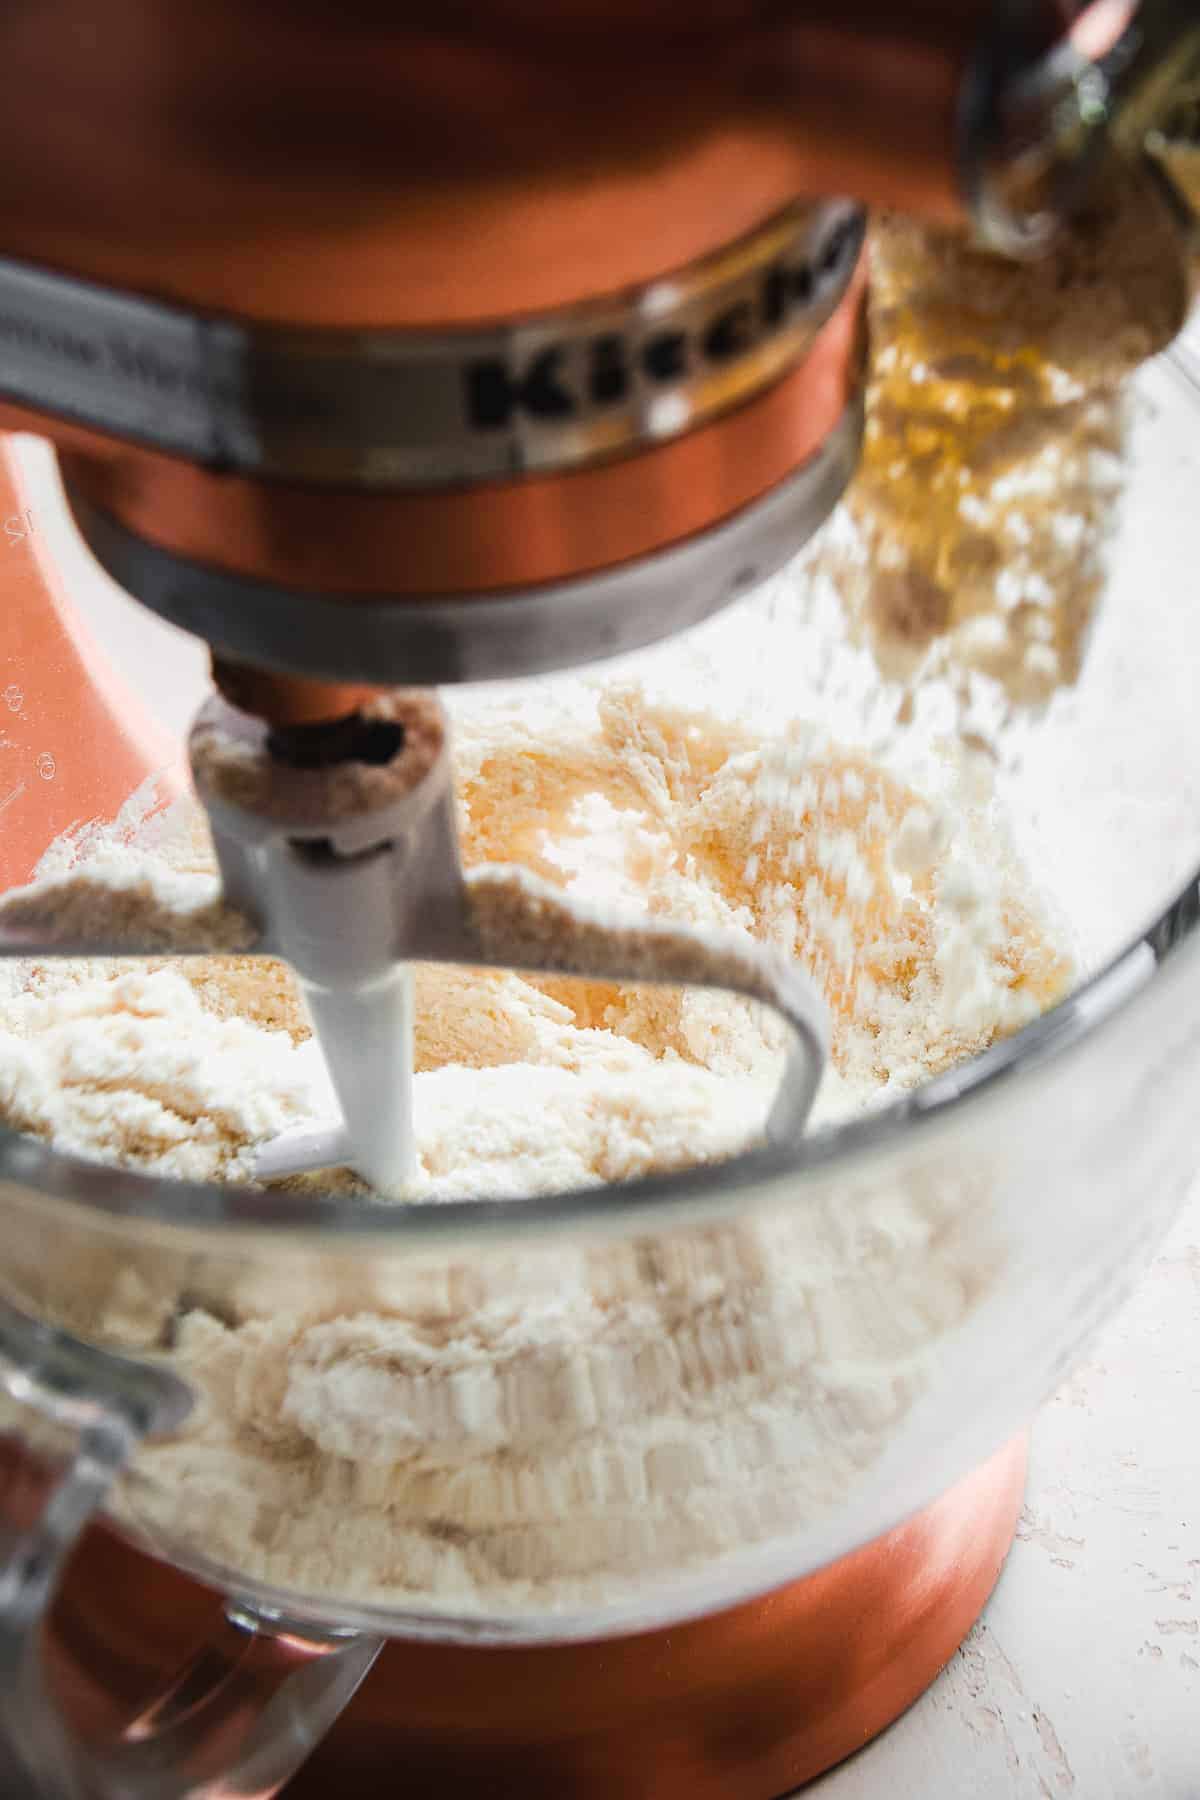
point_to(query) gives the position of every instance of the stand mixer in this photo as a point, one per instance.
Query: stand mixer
(433, 352)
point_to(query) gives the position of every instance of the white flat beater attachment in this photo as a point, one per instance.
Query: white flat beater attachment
(350, 871)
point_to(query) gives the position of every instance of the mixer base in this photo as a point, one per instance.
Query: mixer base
(751, 1703)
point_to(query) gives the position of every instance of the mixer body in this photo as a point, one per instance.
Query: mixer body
(753, 1701)
(385, 349)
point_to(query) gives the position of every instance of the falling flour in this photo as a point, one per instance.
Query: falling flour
(972, 548)
(542, 1431)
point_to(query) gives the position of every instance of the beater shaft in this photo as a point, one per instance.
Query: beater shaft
(350, 871)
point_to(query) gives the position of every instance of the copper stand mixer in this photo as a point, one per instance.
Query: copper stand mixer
(386, 351)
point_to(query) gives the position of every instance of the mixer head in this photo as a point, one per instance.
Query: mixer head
(437, 366)
(477, 354)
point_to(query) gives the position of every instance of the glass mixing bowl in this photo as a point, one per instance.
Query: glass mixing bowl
(1044, 1173)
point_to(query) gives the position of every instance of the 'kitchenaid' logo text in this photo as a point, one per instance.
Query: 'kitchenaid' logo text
(567, 379)
(19, 526)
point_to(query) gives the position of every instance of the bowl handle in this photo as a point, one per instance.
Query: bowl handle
(239, 1719)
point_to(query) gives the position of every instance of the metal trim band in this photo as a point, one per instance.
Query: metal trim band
(417, 409)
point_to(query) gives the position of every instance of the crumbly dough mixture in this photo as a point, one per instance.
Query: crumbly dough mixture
(537, 1431)
(922, 951)
(974, 538)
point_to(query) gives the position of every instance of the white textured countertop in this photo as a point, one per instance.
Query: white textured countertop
(1083, 1676)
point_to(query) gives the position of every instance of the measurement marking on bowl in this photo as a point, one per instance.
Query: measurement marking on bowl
(15, 795)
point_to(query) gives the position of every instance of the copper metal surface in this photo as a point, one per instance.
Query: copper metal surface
(367, 165)
(383, 410)
(73, 745)
(286, 700)
(432, 164)
(745, 1705)
(363, 164)
(491, 537)
(495, 536)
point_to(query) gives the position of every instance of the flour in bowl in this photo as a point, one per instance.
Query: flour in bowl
(919, 931)
(538, 1436)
